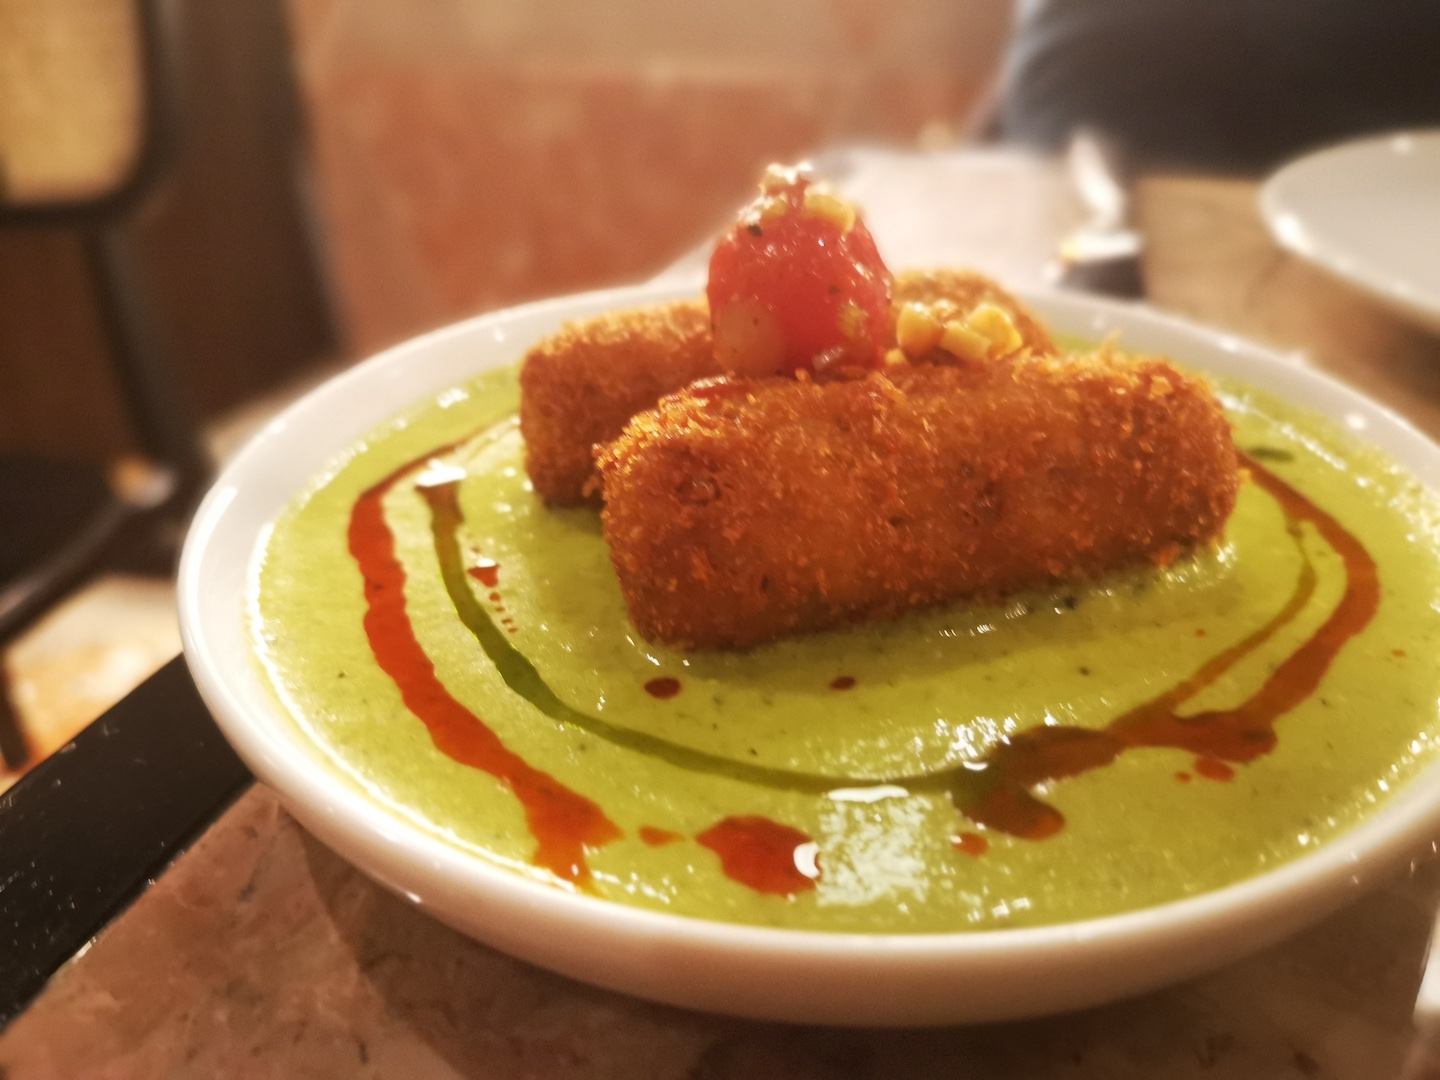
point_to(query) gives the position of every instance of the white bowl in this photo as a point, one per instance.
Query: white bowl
(1369, 213)
(874, 979)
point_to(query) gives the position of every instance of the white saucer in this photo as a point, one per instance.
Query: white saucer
(1369, 213)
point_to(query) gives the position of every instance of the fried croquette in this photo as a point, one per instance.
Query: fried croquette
(580, 386)
(741, 511)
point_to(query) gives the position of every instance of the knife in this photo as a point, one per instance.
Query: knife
(85, 831)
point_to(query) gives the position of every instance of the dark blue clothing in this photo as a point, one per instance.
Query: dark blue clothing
(1223, 84)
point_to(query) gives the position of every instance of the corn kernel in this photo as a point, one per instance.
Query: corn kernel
(995, 325)
(917, 330)
(820, 203)
(959, 340)
(895, 358)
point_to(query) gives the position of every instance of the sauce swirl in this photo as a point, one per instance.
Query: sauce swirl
(1218, 736)
(774, 858)
(563, 822)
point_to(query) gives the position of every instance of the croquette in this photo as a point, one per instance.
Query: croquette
(580, 386)
(741, 511)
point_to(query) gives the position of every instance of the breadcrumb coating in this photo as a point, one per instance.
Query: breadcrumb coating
(581, 385)
(740, 511)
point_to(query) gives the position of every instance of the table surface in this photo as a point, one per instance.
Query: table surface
(261, 952)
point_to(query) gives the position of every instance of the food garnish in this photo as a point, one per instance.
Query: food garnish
(797, 284)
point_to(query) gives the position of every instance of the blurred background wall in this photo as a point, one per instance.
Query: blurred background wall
(221, 245)
(433, 159)
(476, 152)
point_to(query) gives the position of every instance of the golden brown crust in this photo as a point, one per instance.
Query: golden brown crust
(582, 384)
(579, 386)
(745, 510)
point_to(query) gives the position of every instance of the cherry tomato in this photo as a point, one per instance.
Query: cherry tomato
(797, 284)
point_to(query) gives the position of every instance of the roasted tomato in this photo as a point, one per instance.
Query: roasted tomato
(797, 284)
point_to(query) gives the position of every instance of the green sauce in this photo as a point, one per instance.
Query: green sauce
(873, 775)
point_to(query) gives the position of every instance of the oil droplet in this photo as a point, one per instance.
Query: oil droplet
(1214, 769)
(972, 844)
(764, 855)
(487, 572)
(664, 687)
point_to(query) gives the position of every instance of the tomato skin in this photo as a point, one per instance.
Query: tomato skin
(793, 290)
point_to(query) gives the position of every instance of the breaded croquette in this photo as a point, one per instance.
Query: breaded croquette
(580, 386)
(740, 511)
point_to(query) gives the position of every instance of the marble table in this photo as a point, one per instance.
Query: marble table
(259, 952)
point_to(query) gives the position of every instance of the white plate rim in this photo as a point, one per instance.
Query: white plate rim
(1360, 271)
(401, 855)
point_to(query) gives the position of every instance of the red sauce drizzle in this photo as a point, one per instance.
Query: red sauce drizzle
(764, 855)
(1214, 769)
(759, 853)
(563, 822)
(971, 844)
(1217, 736)
(663, 688)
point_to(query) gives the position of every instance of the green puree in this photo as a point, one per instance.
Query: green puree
(930, 692)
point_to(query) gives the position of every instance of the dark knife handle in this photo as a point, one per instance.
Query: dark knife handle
(84, 831)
